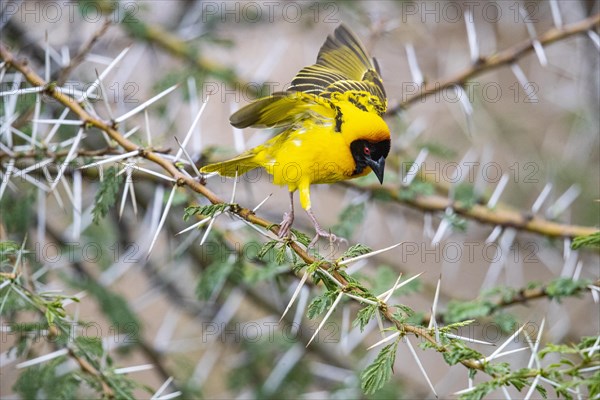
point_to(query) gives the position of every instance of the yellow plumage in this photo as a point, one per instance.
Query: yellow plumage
(332, 124)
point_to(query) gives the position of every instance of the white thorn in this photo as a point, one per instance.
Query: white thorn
(498, 191)
(392, 289)
(415, 167)
(472, 35)
(44, 358)
(137, 368)
(145, 104)
(414, 354)
(188, 135)
(536, 344)
(363, 256)
(162, 219)
(385, 340)
(520, 75)
(255, 209)
(335, 303)
(111, 159)
(68, 159)
(532, 388)
(413, 64)
(435, 301)
(208, 229)
(189, 158)
(103, 74)
(468, 339)
(499, 349)
(296, 293)
(400, 285)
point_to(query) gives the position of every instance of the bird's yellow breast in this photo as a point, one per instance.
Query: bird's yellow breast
(314, 151)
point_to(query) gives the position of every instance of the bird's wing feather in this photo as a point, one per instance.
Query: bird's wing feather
(235, 166)
(280, 110)
(342, 66)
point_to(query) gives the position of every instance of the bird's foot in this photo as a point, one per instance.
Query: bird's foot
(326, 235)
(286, 224)
(321, 232)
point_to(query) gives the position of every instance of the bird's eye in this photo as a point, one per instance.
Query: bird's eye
(367, 151)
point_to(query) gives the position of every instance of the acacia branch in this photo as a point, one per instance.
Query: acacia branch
(505, 57)
(480, 213)
(521, 296)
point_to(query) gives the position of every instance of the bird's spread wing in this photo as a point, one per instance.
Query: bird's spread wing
(281, 109)
(342, 66)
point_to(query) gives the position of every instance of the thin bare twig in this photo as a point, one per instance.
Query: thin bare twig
(83, 52)
(505, 57)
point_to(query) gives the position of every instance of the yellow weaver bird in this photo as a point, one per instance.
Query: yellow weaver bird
(331, 121)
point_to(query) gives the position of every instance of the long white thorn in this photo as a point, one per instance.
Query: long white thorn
(333, 306)
(235, 181)
(400, 285)
(54, 129)
(537, 204)
(6, 178)
(520, 75)
(536, 345)
(415, 167)
(68, 159)
(162, 388)
(149, 171)
(198, 224)
(468, 339)
(498, 191)
(392, 289)
(111, 159)
(145, 104)
(361, 299)
(414, 354)
(148, 132)
(255, 209)
(189, 133)
(556, 17)
(163, 218)
(499, 349)
(44, 358)
(371, 254)
(188, 157)
(435, 301)
(136, 368)
(384, 340)
(296, 293)
(104, 74)
(413, 64)
(208, 229)
(532, 388)
(472, 35)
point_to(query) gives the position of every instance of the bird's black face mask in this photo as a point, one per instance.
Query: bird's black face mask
(368, 154)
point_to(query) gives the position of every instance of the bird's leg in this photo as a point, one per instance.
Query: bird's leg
(320, 231)
(288, 219)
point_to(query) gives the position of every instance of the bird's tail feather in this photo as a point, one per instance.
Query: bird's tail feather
(243, 163)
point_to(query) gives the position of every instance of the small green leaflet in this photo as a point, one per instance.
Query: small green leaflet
(321, 303)
(107, 194)
(364, 315)
(380, 371)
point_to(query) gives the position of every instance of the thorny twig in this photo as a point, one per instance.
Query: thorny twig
(505, 57)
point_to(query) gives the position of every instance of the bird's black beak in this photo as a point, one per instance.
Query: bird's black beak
(377, 167)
